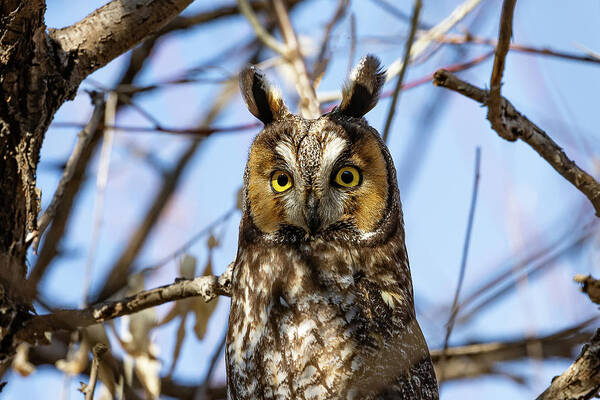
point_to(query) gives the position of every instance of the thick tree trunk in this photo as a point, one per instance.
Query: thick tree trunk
(39, 71)
(31, 90)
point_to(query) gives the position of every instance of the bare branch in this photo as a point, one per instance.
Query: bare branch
(98, 351)
(405, 61)
(468, 38)
(330, 97)
(502, 47)
(463, 262)
(582, 379)
(421, 44)
(494, 99)
(209, 287)
(120, 270)
(589, 286)
(320, 64)
(85, 138)
(541, 259)
(263, 35)
(111, 30)
(514, 124)
(424, 40)
(476, 359)
(309, 105)
(201, 131)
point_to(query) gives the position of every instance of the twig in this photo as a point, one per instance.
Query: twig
(465, 253)
(265, 37)
(309, 105)
(101, 182)
(494, 100)
(120, 269)
(208, 287)
(421, 44)
(88, 390)
(424, 40)
(186, 22)
(352, 52)
(582, 379)
(540, 260)
(405, 61)
(516, 125)
(589, 286)
(468, 38)
(476, 359)
(85, 137)
(393, 10)
(330, 97)
(203, 389)
(203, 131)
(320, 64)
(206, 230)
(59, 222)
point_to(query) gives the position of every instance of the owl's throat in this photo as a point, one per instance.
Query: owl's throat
(311, 214)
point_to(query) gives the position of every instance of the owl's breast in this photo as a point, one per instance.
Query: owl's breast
(304, 331)
(288, 342)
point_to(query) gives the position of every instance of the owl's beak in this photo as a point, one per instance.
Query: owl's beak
(311, 213)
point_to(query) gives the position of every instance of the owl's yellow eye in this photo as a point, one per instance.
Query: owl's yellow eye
(347, 177)
(281, 181)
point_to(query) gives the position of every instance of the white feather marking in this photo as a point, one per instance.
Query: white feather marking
(287, 152)
(332, 151)
(306, 326)
(314, 391)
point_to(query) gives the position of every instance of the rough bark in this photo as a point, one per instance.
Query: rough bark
(582, 379)
(39, 71)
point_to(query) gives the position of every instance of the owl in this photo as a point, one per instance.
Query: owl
(322, 300)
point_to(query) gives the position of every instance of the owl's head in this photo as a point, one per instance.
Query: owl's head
(330, 178)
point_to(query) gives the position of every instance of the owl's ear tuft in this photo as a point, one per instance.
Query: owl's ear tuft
(361, 93)
(263, 100)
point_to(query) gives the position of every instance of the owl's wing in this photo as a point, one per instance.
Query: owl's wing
(396, 360)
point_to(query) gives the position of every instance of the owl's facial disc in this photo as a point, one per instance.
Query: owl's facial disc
(319, 180)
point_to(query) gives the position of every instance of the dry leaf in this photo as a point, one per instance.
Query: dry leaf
(135, 338)
(147, 370)
(202, 309)
(21, 362)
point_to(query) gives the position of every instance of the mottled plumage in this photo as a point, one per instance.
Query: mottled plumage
(322, 301)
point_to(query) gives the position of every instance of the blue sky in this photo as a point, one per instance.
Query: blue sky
(523, 203)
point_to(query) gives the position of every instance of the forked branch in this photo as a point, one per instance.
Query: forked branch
(516, 125)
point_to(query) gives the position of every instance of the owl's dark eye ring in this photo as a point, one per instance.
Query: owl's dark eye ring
(348, 177)
(281, 181)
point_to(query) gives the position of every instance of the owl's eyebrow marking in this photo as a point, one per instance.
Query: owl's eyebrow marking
(286, 152)
(333, 149)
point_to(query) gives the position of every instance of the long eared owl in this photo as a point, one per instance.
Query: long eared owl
(322, 300)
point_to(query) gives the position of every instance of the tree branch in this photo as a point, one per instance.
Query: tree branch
(99, 350)
(543, 51)
(36, 329)
(476, 359)
(423, 41)
(405, 61)
(309, 105)
(494, 99)
(582, 379)
(111, 30)
(589, 286)
(122, 267)
(261, 33)
(514, 124)
(71, 169)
